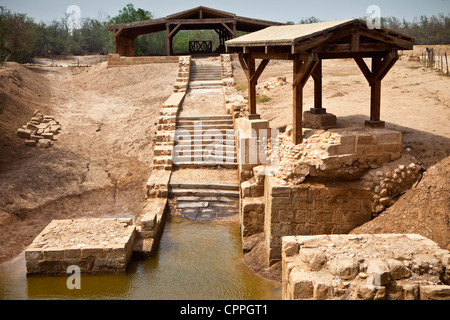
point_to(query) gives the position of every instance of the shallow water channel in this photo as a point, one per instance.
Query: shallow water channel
(195, 261)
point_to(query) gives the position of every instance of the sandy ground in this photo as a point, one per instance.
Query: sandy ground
(102, 159)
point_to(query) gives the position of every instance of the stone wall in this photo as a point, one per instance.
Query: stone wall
(94, 245)
(115, 60)
(150, 223)
(337, 153)
(364, 267)
(311, 209)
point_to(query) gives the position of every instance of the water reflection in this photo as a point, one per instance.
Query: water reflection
(196, 261)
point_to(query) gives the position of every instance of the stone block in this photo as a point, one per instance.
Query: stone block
(379, 270)
(434, 292)
(302, 285)
(345, 268)
(24, 133)
(44, 143)
(94, 245)
(319, 121)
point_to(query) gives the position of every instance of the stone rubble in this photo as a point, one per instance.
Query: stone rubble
(365, 267)
(40, 131)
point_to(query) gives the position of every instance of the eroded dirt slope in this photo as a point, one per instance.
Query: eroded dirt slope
(102, 159)
(424, 209)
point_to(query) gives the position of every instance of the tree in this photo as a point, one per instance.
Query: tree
(130, 14)
(309, 20)
(91, 38)
(18, 36)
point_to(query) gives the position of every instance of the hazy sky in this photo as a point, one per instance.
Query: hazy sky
(278, 10)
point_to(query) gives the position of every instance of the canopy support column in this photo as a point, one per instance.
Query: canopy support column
(303, 69)
(252, 74)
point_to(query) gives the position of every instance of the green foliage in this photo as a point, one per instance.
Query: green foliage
(130, 14)
(18, 36)
(309, 20)
(427, 30)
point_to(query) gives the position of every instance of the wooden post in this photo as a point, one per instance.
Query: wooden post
(297, 131)
(169, 41)
(317, 76)
(375, 98)
(252, 74)
(251, 86)
(446, 62)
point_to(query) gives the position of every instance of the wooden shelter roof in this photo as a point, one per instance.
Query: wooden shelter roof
(322, 36)
(307, 45)
(196, 18)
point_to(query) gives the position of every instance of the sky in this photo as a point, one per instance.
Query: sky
(274, 10)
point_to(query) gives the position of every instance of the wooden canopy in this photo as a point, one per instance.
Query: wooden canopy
(307, 45)
(201, 18)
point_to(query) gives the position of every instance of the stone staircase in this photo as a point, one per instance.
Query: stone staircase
(204, 201)
(205, 80)
(207, 141)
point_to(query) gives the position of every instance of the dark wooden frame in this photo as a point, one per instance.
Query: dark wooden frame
(352, 40)
(201, 18)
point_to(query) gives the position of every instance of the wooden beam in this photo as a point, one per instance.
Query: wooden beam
(169, 41)
(355, 44)
(386, 65)
(305, 71)
(364, 68)
(251, 85)
(297, 110)
(317, 41)
(259, 71)
(201, 21)
(317, 76)
(174, 30)
(389, 39)
(375, 93)
(244, 66)
(229, 29)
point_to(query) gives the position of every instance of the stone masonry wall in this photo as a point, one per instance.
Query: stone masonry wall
(150, 223)
(311, 209)
(115, 60)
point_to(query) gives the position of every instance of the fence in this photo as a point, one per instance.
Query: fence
(436, 60)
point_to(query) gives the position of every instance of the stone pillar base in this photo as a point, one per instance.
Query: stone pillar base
(319, 119)
(375, 124)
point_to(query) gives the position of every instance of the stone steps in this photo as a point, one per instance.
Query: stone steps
(213, 159)
(182, 123)
(205, 126)
(197, 140)
(193, 185)
(206, 118)
(209, 191)
(203, 164)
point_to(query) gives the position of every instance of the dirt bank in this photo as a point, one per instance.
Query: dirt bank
(102, 159)
(424, 210)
